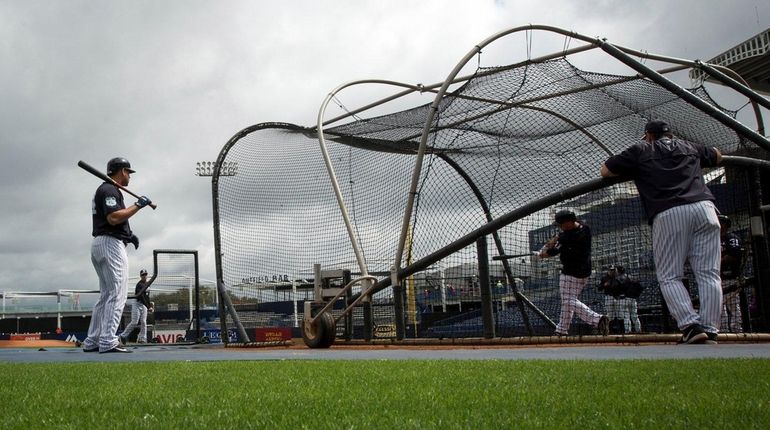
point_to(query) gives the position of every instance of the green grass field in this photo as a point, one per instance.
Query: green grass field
(709, 393)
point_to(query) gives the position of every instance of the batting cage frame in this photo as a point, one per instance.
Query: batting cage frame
(446, 175)
(175, 291)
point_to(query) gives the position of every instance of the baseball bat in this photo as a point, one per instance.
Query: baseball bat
(88, 168)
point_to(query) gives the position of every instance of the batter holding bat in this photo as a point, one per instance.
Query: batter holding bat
(112, 234)
(573, 246)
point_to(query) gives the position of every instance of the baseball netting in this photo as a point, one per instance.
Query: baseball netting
(507, 137)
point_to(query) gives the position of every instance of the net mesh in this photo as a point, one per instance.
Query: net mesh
(507, 137)
(173, 293)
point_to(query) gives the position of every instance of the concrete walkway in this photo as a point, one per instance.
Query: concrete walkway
(218, 353)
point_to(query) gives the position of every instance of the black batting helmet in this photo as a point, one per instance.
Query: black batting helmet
(724, 221)
(564, 215)
(118, 163)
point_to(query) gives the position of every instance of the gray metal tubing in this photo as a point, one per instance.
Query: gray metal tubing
(342, 291)
(601, 43)
(228, 304)
(330, 168)
(432, 87)
(542, 203)
(741, 88)
(687, 96)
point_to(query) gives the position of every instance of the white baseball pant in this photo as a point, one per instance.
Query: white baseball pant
(108, 255)
(689, 232)
(731, 312)
(138, 316)
(569, 290)
(631, 316)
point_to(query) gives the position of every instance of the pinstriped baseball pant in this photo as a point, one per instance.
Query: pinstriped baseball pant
(689, 232)
(138, 316)
(569, 290)
(110, 260)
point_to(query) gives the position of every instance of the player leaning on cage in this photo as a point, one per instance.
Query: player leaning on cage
(112, 234)
(573, 246)
(667, 173)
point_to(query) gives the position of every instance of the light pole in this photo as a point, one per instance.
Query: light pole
(206, 168)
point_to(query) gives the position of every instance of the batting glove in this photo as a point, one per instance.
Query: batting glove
(143, 201)
(135, 241)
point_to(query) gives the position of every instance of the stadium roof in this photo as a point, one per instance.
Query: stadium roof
(750, 59)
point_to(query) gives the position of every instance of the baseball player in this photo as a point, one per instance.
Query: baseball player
(667, 173)
(615, 292)
(620, 302)
(112, 234)
(139, 309)
(730, 270)
(573, 246)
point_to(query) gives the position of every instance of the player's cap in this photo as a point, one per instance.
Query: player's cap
(118, 163)
(142, 272)
(657, 127)
(564, 215)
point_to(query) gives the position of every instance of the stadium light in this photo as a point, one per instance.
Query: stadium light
(206, 168)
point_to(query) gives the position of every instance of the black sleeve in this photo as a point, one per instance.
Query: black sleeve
(625, 163)
(109, 199)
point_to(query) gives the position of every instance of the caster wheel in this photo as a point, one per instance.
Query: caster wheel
(322, 333)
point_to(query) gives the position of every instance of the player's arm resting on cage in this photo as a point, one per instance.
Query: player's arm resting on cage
(623, 164)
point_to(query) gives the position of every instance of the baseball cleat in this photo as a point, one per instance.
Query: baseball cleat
(693, 334)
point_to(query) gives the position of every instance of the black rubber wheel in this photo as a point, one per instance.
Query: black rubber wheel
(322, 333)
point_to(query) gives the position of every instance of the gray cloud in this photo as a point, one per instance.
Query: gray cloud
(166, 84)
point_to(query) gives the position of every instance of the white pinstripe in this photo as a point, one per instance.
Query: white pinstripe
(731, 311)
(569, 290)
(110, 260)
(632, 324)
(689, 232)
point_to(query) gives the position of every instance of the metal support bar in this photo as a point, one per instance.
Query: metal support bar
(344, 290)
(485, 286)
(228, 304)
(686, 96)
(532, 207)
(759, 246)
(732, 83)
(398, 304)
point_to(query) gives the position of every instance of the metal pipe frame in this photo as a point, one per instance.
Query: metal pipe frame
(344, 290)
(532, 207)
(225, 304)
(619, 52)
(452, 79)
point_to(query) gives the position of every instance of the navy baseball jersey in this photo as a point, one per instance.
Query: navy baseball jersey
(667, 172)
(574, 249)
(108, 199)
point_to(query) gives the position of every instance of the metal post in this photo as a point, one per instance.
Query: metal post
(398, 304)
(761, 260)
(58, 314)
(197, 300)
(687, 96)
(487, 316)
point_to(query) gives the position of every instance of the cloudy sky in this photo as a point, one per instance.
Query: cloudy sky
(167, 83)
